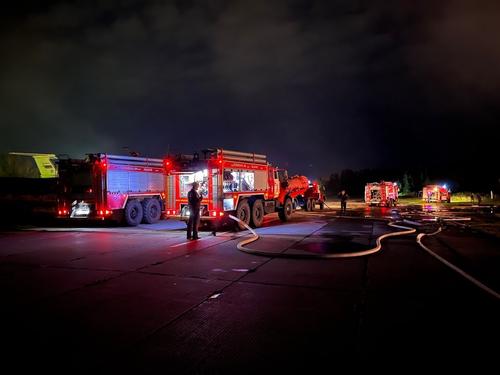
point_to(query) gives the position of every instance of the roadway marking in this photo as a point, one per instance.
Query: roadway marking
(453, 267)
(221, 234)
(191, 241)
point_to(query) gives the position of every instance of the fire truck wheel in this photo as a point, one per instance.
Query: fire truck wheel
(243, 213)
(152, 210)
(133, 213)
(257, 214)
(313, 203)
(308, 205)
(286, 212)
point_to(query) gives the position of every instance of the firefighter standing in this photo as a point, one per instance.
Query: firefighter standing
(343, 201)
(194, 200)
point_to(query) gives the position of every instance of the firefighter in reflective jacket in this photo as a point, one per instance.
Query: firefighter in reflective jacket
(194, 200)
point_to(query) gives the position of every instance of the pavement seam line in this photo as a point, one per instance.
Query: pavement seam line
(206, 299)
(186, 253)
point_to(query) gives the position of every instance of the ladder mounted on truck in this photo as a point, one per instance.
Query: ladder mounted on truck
(235, 156)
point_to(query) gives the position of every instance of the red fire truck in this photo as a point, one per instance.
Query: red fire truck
(113, 187)
(231, 182)
(305, 194)
(436, 193)
(381, 193)
(317, 194)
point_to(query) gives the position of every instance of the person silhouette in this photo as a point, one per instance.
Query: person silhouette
(194, 201)
(343, 201)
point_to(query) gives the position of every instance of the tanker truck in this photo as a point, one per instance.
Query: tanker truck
(242, 184)
(303, 193)
(112, 187)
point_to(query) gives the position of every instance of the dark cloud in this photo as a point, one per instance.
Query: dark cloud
(317, 85)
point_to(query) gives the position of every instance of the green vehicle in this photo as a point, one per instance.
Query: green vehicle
(28, 185)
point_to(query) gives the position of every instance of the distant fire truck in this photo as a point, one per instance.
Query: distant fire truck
(114, 187)
(238, 183)
(436, 193)
(381, 193)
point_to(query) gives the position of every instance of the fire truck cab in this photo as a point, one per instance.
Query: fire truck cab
(381, 193)
(231, 182)
(436, 193)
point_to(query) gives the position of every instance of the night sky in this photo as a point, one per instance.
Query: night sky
(318, 86)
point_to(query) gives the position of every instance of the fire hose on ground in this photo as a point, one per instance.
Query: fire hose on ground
(406, 230)
(255, 237)
(452, 266)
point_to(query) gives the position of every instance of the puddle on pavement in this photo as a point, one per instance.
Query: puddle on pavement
(335, 244)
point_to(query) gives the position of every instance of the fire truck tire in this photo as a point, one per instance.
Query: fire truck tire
(286, 212)
(308, 205)
(257, 214)
(151, 211)
(243, 213)
(133, 213)
(313, 203)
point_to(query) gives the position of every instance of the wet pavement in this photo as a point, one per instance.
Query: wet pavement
(113, 299)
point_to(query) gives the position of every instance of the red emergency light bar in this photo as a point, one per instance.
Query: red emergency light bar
(101, 164)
